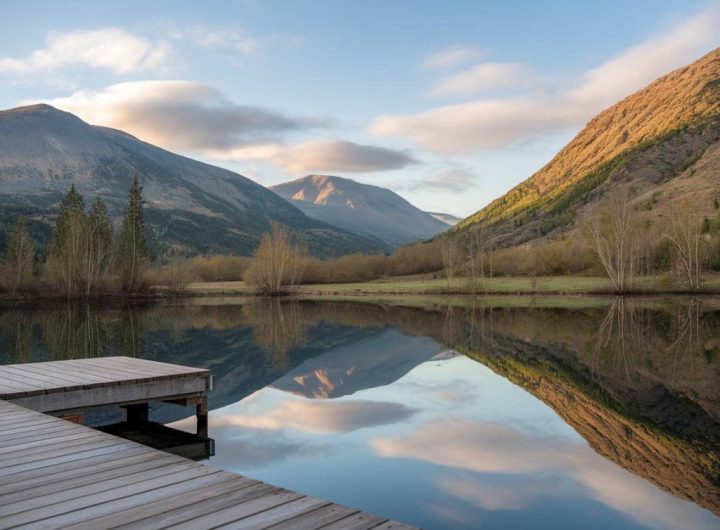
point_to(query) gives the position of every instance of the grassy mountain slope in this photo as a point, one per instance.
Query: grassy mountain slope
(645, 141)
(191, 207)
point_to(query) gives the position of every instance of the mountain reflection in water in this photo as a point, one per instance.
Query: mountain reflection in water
(551, 413)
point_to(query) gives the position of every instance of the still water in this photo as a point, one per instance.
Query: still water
(508, 413)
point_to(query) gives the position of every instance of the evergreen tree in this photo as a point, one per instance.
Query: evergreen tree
(20, 256)
(133, 247)
(68, 245)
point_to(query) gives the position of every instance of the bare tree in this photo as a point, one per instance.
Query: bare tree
(20, 256)
(450, 255)
(614, 233)
(277, 262)
(477, 251)
(97, 255)
(685, 237)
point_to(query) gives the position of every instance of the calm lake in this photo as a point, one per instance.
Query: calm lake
(504, 413)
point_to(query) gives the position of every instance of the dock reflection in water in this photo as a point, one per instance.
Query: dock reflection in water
(505, 413)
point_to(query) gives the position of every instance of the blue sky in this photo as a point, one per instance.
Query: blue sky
(448, 103)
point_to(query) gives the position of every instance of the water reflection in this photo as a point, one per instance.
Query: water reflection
(556, 413)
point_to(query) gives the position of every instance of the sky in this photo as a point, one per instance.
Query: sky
(449, 104)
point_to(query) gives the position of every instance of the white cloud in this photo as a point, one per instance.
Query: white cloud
(516, 496)
(482, 77)
(109, 48)
(221, 38)
(477, 125)
(180, 115)
(321, 417)
(322, 156)
(452, 57)
(488, 124)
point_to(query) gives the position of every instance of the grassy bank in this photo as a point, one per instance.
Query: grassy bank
(418, 285)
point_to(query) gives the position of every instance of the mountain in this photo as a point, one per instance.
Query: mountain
(360, 208)
(377, 360)
(663, 142)
(446, 218)
(191, 207)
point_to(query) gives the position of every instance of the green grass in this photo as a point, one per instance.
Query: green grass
(462, 286)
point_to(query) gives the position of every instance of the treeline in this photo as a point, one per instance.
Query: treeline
(86, 257)
(617, 239)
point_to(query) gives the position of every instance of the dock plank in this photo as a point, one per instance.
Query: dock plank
(316, 518)
(164, 506)
(236, 512)
(270, 517)
(93, 476)
(358, 521)
(193, 512)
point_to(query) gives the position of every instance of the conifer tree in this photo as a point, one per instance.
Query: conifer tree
(20, 256)
(133, 247)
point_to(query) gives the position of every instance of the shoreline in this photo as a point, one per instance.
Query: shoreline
(555, 286)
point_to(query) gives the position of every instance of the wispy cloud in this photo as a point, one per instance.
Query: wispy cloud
(481, 78)
(182, 115)
(487, 124)
(326, 155)
(236, 40)
(111, 48)
(452, 57)
(453, 180)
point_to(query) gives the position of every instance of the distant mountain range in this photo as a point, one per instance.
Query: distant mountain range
(191, 207)
(663, 142)
(361, 208)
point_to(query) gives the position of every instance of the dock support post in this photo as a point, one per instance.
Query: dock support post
(201, 413)
(138, 413)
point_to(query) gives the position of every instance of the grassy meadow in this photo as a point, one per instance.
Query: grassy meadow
(427, 285)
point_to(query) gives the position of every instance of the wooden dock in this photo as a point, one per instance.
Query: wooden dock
(59, 474)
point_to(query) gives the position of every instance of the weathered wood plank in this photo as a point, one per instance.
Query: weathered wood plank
(40, 375)
(46, 438)
(119, 373)
(98, 505)
(394, 525)
(91, 466)
(110, 446)
(17, 458)
(316, 518)
(270, 517)
(230, 514)
(153, 514)
(194, 510)
(68, 495)
(80, 375)
(39, 517)
(26, 428)
(359, 521)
